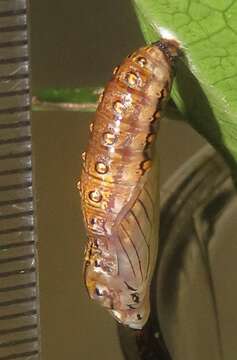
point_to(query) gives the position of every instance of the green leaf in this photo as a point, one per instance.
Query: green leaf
(205, 88)
(83, 99)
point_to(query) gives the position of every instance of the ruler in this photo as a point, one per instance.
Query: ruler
(19, 304)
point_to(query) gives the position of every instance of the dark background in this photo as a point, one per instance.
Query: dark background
(76, 44)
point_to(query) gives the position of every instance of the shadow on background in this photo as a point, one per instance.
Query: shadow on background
(194, 99)
(197, 203)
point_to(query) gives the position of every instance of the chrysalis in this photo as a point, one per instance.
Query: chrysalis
(118, 184)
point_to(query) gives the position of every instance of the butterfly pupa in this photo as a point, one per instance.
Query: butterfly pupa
(119, 187)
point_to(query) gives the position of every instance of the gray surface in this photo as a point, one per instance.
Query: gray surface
(75, 46)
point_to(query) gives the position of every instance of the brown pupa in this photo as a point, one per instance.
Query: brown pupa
(119, 186)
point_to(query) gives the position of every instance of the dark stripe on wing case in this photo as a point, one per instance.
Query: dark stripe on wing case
(145, 210)
(139, 225)
(130, 239)
(130, 262)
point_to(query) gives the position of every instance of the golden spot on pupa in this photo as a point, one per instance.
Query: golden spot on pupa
(95, 196)
(118, 107)
(132, 79)
(101, 168)
(141, 61)
(109, 138)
